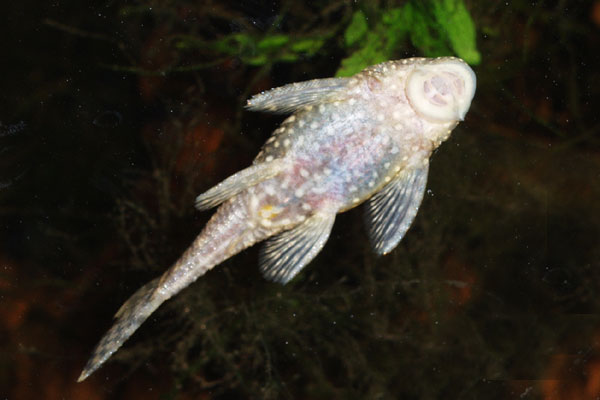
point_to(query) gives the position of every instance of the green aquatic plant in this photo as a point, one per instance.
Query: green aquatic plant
(257, 50)
(436, 28)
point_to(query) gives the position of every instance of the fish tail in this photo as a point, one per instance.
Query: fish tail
(227, 233)
(129, 317)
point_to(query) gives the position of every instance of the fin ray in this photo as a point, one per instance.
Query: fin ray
(291, 97)
(129, 318)
(391, 211)
(284, 255)
(236, 183)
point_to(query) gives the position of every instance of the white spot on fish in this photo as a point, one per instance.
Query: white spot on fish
(285, 221)
(269, 158)
(304, 173)
(270, 190)
(319, 189)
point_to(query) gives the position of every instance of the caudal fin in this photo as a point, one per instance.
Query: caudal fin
(129, 317)
(226, 234)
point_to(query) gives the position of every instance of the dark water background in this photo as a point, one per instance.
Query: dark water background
(108, 132)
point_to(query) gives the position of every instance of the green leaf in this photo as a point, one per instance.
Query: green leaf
(287, 57)
(308, 46)
(258, 60)
(396, 23)
(457, 24)
(371, 53)
(357, 29)
(236, 44)
(272, 42)
(398, 19)
(422, 35)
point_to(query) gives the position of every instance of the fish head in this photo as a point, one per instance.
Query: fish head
(441, 89)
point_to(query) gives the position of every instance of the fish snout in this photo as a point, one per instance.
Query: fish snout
(442, 89)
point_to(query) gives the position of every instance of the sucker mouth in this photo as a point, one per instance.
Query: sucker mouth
(441, 91)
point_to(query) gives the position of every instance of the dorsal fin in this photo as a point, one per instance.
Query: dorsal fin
(291, 97)
(236, 183)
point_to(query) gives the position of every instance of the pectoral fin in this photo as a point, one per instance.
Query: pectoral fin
(289, 98)
(283, 256)
(391, 211)
(236, 183)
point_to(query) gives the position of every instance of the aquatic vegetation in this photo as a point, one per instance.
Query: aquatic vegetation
(435, 28)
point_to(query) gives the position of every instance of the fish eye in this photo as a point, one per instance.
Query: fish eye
(441, 91)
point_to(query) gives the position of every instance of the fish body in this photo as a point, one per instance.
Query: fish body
(348, 140)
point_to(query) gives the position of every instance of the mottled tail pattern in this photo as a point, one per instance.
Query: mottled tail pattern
(129, 317)
(225, 234)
